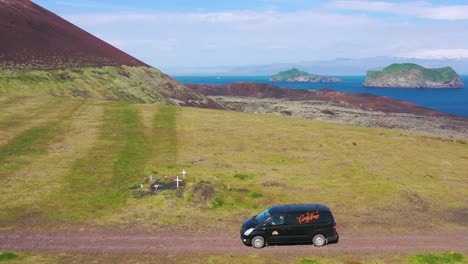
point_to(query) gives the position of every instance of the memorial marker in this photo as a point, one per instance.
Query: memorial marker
(177, 181)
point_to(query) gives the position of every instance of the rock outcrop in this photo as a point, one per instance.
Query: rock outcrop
(408, 75)
(331, 106)
(295, 75)
(351, 100)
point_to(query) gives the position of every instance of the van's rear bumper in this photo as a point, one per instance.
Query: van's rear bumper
(333, 239)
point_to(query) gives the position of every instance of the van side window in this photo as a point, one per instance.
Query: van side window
(291, 218)
(325, 217)
(277, 220)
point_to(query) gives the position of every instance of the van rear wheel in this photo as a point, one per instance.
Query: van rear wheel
(258, 242)
(319, 240)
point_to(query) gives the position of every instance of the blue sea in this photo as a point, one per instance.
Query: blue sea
(453, 101)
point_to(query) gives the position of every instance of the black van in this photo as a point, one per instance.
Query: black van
(290, 224)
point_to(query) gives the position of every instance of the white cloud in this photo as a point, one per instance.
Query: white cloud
(85, 4)
(438, 54)
(91, 19)
(251, 18)
(160, 45)
(457, 12)
(362, 5)
(169, 39)
(415, 9)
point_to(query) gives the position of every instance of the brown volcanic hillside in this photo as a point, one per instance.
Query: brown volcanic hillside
(33, 37)
(43, 54)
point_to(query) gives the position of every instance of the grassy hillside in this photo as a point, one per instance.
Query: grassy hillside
(68, 162)
(125, 83)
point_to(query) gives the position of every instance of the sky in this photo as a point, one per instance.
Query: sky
(207, 33)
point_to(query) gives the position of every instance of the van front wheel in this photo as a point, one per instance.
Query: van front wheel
(319, 240)
(258, 242)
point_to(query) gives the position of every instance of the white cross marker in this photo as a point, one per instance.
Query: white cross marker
(177, 181)
(141, 185)
(156, 186)
(183, 173)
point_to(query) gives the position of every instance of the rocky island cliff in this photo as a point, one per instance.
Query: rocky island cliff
(295, 75)
(409, 75)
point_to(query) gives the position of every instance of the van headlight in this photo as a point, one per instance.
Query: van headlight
(248, 231)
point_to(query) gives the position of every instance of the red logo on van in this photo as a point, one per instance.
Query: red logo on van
(308, 217)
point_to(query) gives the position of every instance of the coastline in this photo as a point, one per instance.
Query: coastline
(328, 111)
(452, 101)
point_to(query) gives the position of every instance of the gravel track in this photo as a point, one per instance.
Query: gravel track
(173, 243)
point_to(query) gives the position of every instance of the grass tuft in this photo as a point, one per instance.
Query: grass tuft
(308, 261)
(244, 176)
(217, 202)
(442, 258)
(5, 256)
(255, 195)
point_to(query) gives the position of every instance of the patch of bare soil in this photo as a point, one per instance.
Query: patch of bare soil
(218, 242)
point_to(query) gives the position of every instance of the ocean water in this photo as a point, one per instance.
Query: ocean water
(453, 101)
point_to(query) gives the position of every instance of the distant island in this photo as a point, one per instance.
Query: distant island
(409, 75)
(295, 75)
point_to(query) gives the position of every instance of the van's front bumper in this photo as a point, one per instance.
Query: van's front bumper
(246, 241)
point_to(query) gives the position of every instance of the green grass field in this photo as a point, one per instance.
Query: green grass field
(68, 163)
(430, 258)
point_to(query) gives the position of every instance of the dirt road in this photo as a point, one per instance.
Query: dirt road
(173, 243)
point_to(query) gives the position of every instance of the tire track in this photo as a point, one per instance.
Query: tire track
(32, 113)
(30, 185)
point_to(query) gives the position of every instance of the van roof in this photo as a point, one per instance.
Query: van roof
(298, 208)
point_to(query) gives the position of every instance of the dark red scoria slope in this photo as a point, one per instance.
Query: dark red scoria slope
(356, 100)
(33, 37)
(378, 103)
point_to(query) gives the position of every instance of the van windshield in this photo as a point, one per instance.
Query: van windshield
(261, 217)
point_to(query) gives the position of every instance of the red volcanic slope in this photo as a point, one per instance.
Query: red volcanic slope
(247, 89)
(378, 103)
(33, 37)
(362, 101)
